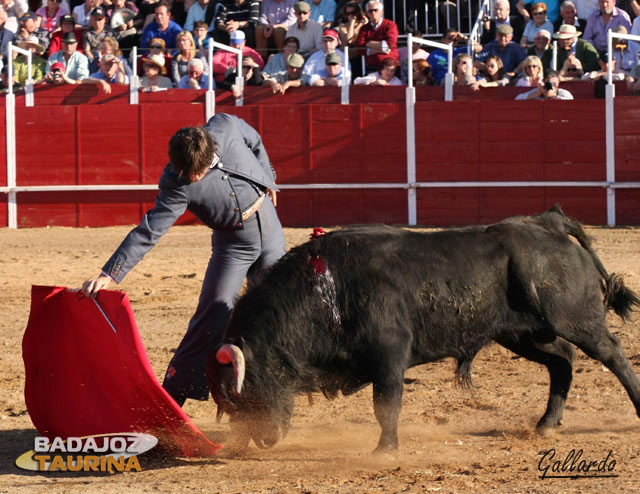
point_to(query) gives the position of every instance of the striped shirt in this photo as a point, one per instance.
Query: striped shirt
(248, 11)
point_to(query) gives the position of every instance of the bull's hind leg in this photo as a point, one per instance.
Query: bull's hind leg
(598, 343)
(557, 357)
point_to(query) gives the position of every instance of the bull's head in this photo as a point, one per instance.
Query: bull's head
(257, 405)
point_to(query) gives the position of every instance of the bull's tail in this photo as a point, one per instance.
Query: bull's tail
(463, 372)
(616, 295)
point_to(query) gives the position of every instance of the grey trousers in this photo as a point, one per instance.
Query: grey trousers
(236, 254)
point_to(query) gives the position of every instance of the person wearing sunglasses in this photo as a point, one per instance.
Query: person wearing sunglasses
(538, 23)
(553, 9)
(378, 39)
(351, 20)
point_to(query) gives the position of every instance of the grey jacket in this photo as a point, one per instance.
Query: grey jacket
(217, 200)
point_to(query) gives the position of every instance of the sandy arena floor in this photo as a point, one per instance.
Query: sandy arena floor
(452, 440)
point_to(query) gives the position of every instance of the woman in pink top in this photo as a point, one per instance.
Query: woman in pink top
(49, 15)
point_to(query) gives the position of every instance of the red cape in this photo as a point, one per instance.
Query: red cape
(88, 373)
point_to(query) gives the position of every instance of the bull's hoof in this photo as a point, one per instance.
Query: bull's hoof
(547, 429)
(389, 450)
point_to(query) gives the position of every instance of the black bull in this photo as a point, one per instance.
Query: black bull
(362, 305)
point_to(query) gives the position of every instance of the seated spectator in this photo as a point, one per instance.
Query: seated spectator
(569, 15)
(333, 73)
(280, 82)
(56, 75)
(541, 44)
(501, 15)
(439, 60)
(82, 13)
(201, 37)
(307, 31)
(38, 64)
(571, 69)
(96, 33)
(109, 46)
(146, 13)
(123, 30)
(67, 25)
(511, 54)
(251, 74)
(422, 73)
(111, 72)
(350, 21)
(535, 25)
(616, 74)
(494, 74)
(154, 74)
(553, 9)
(120, 5)
(162, 27)
(75, 63)
(275, 18)
(377, 40)
(532, 72)
(234, 15)
(48, 17)
(568, 42)
(386, 76)
(606, 18)
(548, 89)
(464, 72)
(187, 52)
(14, 10)
(225, 60)
(329, 45)
(6, 37)
(276, 61)
(29, 27)
(195, 78)
(323, 12)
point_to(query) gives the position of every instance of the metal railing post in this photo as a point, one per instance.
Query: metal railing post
(134, 81)
(346, 78)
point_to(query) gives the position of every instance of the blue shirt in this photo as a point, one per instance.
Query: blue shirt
(204, 82)
(438, 61)
(325, 12)
(77, 68)
(320, 73)
(511, 57)
(153, 31)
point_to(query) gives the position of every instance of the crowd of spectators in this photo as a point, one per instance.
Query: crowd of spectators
(288, 43)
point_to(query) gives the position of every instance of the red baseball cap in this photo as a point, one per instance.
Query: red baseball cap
(330, 33)
(58, 65)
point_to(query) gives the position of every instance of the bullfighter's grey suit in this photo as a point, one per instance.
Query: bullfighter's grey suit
(234, 184)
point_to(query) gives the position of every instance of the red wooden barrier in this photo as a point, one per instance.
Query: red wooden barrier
(493, 139)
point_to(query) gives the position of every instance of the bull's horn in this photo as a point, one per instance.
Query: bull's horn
(231, 354)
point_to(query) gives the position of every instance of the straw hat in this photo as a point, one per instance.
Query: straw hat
(567, 31)
(157, 60)
(31, 42)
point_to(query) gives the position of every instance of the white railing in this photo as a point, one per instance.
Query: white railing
(448, 78)
(210, 97)
(411, 185)
(477, 27)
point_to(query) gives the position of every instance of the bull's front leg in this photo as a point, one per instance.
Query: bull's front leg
(387, 402)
